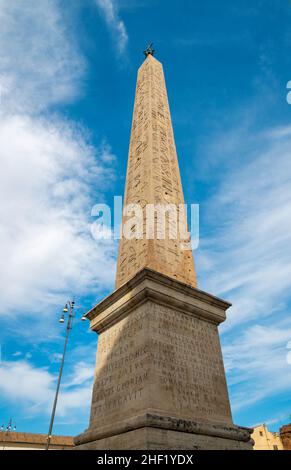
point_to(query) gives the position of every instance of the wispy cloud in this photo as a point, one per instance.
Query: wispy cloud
(46, 245)
(246, 258)
(256, 361)
(109, 9)
(34, 388)
(51, 176)
(49, 169)
(40, 62)
(249, 258)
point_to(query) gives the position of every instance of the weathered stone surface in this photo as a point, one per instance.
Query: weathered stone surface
(159, 378)
(159, 365)
(162, 439)
(285, 434)
(153, 177)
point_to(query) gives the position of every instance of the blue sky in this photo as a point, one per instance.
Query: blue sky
(67, 79)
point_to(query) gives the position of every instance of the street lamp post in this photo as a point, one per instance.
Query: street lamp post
(9, 428)
(69, 308)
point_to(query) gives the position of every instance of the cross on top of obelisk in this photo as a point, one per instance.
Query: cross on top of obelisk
(149, 50)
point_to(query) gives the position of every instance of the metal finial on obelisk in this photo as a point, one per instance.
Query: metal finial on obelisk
(149, 50)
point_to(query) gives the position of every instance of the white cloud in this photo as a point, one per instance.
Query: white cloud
(46, 247)
(50, 178)
(82, 372)
(17, 353)
(246, 258)
(34, 389)
(21, 381)
(280, 418)
(50, 174)
(249, 214)
(75, 401)
(257, 361)
(109, 9)
(39, 60)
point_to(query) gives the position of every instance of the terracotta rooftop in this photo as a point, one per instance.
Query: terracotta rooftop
(29, 438)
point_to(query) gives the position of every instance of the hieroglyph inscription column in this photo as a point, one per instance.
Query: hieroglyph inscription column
(153, 177)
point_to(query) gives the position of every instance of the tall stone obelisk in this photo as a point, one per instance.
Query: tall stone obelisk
(153, 177)
(159, 379)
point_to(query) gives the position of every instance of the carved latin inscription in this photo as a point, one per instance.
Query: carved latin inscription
(160, 359)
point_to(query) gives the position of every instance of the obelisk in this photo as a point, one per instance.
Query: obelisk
(159, 379)
(153, 177)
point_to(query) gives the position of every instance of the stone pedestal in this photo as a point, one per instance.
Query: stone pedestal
(159, 379)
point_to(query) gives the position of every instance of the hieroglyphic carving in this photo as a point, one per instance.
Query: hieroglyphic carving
(159, 359)
(153, 175)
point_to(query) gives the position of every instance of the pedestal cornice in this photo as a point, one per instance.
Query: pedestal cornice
(151, 285)
(156, 420)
